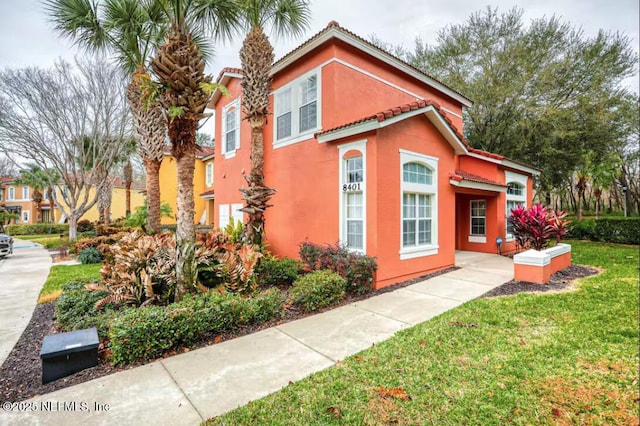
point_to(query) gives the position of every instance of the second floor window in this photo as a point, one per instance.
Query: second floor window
(231, 128)
(25, 192)
(12, 193)
(209, 174)
(297, 109)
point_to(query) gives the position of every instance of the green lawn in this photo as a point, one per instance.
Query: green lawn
(37, 237)
(561, 358)
(61, 275)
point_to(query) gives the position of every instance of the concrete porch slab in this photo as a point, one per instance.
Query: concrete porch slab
(343, 331)
(221, 377)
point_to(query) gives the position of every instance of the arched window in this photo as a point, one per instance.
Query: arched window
(416, 173)
(418, 205)
(516, 196)
(353, 195)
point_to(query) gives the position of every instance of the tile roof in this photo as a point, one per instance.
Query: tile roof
(208, 193)
(461, 175)
(399, 110)
(335, 25)
(227, 70)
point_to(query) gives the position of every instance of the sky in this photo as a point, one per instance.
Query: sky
(28, 39)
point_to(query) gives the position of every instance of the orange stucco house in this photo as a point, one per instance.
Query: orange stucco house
(367, 150)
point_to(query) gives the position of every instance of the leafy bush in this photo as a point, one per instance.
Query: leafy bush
(147, 332)
(75, 309)
(139, 217)
(272, 272)
(357, 269)
(608, 229)
(90, 255)
(234, 230)
(536, 226)
(318, 290)
(104, 230)
(85, 225)
(101, 243)
(37, 228)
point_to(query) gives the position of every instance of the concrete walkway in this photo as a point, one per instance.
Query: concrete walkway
(189, 388)
(22, 275)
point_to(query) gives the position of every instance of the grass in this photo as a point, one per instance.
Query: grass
(561, 358)
(62, 274)
(37, 237)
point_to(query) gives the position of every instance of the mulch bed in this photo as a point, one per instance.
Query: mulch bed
(21, 373)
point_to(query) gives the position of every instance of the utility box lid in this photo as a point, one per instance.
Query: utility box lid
(67, 343)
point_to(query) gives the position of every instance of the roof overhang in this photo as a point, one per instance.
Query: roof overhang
(224, 79)
(338, 33)
(521, 167)
(373, 124)
(482, 186)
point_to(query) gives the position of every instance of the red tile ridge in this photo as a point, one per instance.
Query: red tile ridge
(227, 70)
(476, 178)
(209, 192)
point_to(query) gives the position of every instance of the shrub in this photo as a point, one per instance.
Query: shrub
(357, 269)
(318, 290)
(536, 226)
(608, 229)
(101, 243)
(75, 309)
(583, 230)
(103, 230)
(90, 255)
(147, 332)
(37, 228)
(272, 272)
(85, 225)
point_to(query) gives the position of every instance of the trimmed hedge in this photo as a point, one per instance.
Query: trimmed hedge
(318, 290)
(37, 228)
(272, 272)
(607, 229)
(146, 332)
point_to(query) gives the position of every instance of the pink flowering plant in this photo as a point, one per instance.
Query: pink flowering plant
(536, 226)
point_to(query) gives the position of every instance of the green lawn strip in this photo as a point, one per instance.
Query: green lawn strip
(566, 357)
(62, 274)
(37, 237)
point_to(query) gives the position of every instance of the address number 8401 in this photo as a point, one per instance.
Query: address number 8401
(351, 187)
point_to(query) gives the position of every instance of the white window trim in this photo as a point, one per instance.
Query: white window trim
(431, 162)
(477, 238)
(26, 217)
(223, 215)
(236, 214)
(11, 193)
(235, 104)
(25, 198)
(296, 136)
(511, 177)
(209, 174)
(342, 150)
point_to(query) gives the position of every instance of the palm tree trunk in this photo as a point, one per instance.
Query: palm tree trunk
(128, 177)
(152, 168)
(185, 232)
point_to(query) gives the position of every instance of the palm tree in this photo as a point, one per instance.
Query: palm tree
(131, 30)
(256, 56)
(184, 93)
(37, 179)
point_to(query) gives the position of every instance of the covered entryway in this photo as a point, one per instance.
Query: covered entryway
(477, 265)
(479, 212)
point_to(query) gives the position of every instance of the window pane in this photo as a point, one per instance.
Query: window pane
(354, 170)
(354, 234)
(283, 102)
(408, 206)
(230, 144)
(416, 173)
(283, 126)
(308, 115)
(354, 205)
(408, 233)
(424, 231)
(230, 119)
(477, 226)
(309, 92)
(515, 189)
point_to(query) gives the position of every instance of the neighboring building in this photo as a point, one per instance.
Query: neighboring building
(18, 199)
(203, 179)
(367, 150)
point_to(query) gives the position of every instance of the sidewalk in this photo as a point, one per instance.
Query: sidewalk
(189, 388)
(22, 275)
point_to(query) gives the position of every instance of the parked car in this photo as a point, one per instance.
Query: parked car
(6, 245)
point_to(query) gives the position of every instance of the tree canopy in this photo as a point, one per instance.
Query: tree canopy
(544, 93)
